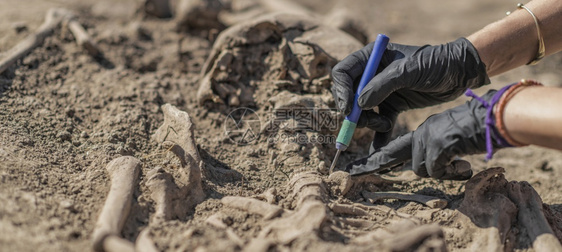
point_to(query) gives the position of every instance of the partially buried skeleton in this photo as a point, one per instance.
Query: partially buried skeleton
(274, 52)
(288, 57)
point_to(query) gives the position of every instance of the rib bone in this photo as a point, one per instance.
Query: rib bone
(255, 206)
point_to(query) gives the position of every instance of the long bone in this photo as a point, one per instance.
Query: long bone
(82, 37)
(53, 18)
(123, 173)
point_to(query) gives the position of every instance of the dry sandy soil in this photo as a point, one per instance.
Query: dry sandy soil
(65, 115)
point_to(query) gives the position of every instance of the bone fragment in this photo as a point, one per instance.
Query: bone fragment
(175, 199)
(114, 243)
(486, 204)
(178, 128)
(254, 206)
(123, 173)
(270, 195)
(531, 216)
(310, 215)
(285, 6)
(339, 183)
(82, 37)
(216, 221)
(163, 191)
(357, 223)
(259, 245)
(198, 14)
(546, 242)
(308, 219)
(158, 8)
(307, 186)
(410, 239)
(144, 243)
(348, 209)
(307, 55)
(339, 17)
(497, 205)
(429, 201)
(371, 179)
(53, 19)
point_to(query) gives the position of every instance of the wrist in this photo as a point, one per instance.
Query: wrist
(499, 110)
(485, 107)
(476, 74)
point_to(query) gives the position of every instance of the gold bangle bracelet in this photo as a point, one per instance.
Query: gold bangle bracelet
(542, 51)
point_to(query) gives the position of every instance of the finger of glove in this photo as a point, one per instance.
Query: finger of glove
(391, 78)
(396, 152)
(383, 138)
(374, 121)
(459, 169)
(418, 156)
(344, 75)
(438, 157)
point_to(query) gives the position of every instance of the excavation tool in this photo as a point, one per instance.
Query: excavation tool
(397, 155)
(350, 122)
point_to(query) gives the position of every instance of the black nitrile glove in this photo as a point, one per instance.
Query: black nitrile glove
(409, 77)
(436, 143)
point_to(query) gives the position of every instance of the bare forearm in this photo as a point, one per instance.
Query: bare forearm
(532, 116)
(513, 41)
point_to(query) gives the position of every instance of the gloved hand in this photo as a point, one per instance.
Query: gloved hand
(409, 77)
(436, 143)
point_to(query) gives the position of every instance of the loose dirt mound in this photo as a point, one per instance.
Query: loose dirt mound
(171, 93)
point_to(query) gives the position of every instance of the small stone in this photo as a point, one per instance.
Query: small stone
(136, 30)
(289, 146)
(113, 138)
(228, 221)
(69, 129)
(27, 141)
(322, 168)
(19, 27)
(233, 101)
(67, 204)
(53, 76)
(339, 182)
(76, 190)
(543, 165)
(99, 134)
(253, 153)
(64, 136)
(250, 166)
(84, 134)
(69, 112)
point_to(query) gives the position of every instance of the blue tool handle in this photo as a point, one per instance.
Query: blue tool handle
(368, 74)
(350, 122)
